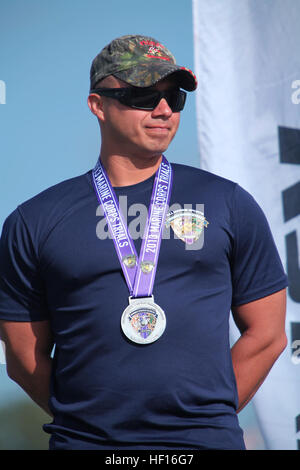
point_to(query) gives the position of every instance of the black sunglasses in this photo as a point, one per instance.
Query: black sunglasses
(144, 98)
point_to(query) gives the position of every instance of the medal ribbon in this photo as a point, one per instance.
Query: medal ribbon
(139, 278)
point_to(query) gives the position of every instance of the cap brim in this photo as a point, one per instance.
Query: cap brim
(145, 75)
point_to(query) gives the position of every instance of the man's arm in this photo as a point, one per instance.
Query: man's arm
(28, 347)
(263, 338)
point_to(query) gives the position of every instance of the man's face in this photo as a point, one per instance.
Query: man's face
(135, 132)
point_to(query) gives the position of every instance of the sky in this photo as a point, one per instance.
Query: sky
(47, 132)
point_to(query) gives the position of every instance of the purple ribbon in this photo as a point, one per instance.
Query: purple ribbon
(139, 276)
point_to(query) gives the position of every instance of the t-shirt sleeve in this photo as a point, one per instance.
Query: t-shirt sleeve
(22, 294)
(257, 269)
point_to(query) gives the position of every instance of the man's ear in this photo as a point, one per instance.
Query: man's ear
(95, 103)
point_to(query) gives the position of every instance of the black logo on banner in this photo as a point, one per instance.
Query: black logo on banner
(289, 151)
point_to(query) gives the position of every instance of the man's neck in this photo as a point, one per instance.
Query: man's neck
(126, 171)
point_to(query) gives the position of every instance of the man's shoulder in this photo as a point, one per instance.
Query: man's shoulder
(62, 193)
(194, 175)
(47, 208)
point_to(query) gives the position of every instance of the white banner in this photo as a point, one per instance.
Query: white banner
(248, 114)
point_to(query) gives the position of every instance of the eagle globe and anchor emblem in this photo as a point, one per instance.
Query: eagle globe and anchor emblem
(187, 224)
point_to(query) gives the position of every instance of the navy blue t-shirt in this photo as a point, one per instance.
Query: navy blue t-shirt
(107, 392)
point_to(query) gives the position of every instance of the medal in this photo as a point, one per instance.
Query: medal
(143, 321)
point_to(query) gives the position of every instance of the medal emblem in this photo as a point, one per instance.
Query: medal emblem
(143, 321)
(129, 261)
(147, 266)
(188, 224)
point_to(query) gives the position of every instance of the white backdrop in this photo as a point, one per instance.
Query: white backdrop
(248, 115)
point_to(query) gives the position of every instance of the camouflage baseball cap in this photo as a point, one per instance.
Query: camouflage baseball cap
(140, 61)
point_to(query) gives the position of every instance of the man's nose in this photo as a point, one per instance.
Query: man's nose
(162, 109)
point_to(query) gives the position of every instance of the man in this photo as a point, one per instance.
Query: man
(140, 323)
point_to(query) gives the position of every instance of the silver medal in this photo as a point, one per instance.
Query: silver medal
(143, 321)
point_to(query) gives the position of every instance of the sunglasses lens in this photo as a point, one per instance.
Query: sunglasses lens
(176, 99)
(144, 99)
(149, 99)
